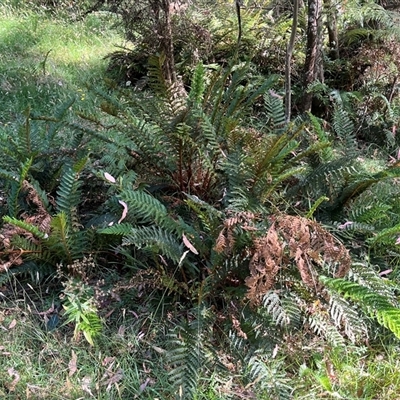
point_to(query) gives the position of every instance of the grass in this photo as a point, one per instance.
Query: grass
(45, 59)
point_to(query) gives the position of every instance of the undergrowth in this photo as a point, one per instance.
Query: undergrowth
(185, 242)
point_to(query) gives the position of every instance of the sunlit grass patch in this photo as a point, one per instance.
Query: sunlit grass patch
(45, 60)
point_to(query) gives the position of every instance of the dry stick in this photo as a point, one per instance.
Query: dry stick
(289, 53)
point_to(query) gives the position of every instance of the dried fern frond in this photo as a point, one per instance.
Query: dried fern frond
(264, 265)
(298, 239)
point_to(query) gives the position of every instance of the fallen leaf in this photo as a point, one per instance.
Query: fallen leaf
(114, 378)
(14, 374)
(109, 177)
(125, 212)
(12, 324)
(72, 365)
(108, 360)
(121, 331)
(144, 385)
(188, 244)
(86, 382)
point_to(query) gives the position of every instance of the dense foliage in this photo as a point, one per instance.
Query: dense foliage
(236, 234)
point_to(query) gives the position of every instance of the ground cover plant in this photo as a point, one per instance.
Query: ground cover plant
(187, 238)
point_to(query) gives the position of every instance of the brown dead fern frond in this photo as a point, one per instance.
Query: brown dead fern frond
(264, 265)
(41, 218)
(309, 241)
(298, 239)
(9, 255)
(226, 238)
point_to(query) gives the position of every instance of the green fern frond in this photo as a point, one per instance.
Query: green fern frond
(7, 175)
(197, 86)
(385, 236)
(322, 326)
(68, 195)
(326, 153)
(344, 129)
(65, 242)
(13, 201)
(347, 317)
(40, 193)
(26, 226)
(374, 304)
(365, 275)
(36, 271)
(118, 230)
(275, 112)
(370, 212)
(283, 310)
(188, 355)
(155, 239)
(270, 376)
(210, 217)
(144, 206)
(157, 81)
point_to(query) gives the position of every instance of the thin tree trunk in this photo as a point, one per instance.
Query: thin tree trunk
(289, 53)
(162, 13)
(312, 67)
(331, 24)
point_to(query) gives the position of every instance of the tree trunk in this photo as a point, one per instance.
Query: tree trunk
(162, 13)
(313, 68)
(331, 24)
(289, 53)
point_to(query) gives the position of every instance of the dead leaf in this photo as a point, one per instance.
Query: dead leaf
(121, 331)
(72, 365)
(12, 324)
(86, 382)
(109, 177)
(144, 385)
(108, 360)
(14, 374)
(114, 379)
(188, 244)
(125, 212)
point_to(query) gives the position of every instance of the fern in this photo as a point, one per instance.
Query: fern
(145, 207)
(376, 305)
(284, 311)
(80, 309)
(155, 239)
(346, 317)
(26, 226)
(271, 378)
(188, 355)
